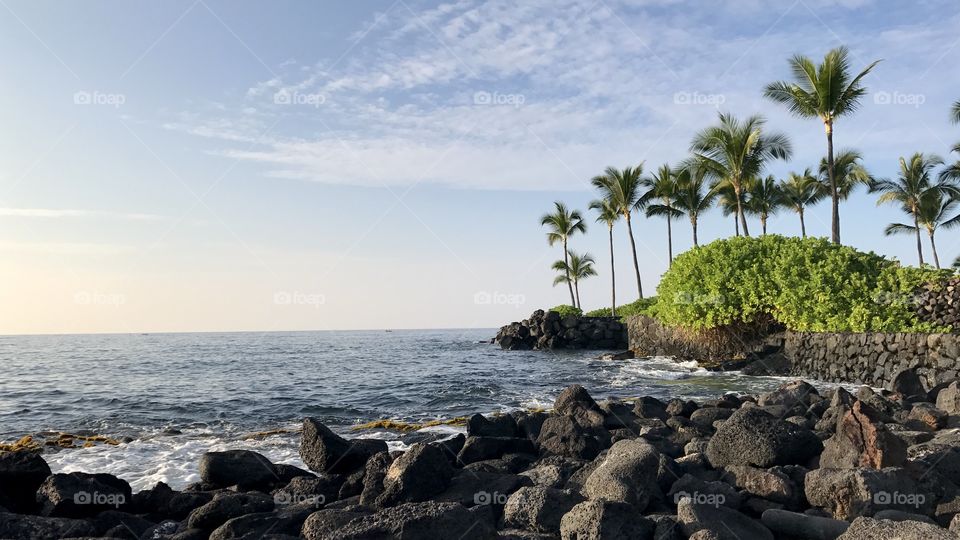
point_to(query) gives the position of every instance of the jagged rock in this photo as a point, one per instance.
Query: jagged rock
(375, 471)
(849, 493)
(317, 490)
(471, 488)
(948, 400)
(862, 440)
(226, 506)
(242, 468)
(574, 401)
(483, 448)
(322, 524)
(724, 523)
(538, 508)
(649, 407)
(441, 521)
(563, 436)
(768, 484)
(753, 437)
(420, 473)
(287, 521)
(865, 528)
(627, 474)
(82, 495)
(324, 451)
(604, 520)
(708, 416)
(789, 395)
(160, 502)
(502, 425)
(926, 417)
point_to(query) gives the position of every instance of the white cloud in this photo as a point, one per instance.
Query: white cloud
(74, 213)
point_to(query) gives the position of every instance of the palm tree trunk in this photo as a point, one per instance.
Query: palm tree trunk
(834, 196)
(933, 245)
(566, 271)
(576, 287)
(763, 224)
(916, 226)
(803, 226)
(633, 246)
(736, 224)
(669, 243)
(613, 278)
(740, 212)
(693, 222)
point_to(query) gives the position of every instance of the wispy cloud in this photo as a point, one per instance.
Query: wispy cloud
(55, 213)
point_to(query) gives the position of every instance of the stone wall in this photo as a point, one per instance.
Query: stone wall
(873, 358)
(548, 330)
(940, 304)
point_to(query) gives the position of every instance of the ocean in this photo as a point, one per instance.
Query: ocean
(175, 396)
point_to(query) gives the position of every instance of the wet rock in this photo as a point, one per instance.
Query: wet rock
(604, 520)
(21, 474)
(720, 521)
(324, 451)
(243, 468)
(82, 495)
(539, 509)
(627, 474)
(753, 437)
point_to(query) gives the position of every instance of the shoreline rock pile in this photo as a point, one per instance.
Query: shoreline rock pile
(940, 304)
(791, 463)
(549, 330)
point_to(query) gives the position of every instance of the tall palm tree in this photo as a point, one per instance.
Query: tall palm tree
(913, 183)
(563, 224)
(848, 173)
(727, 201)
(765, 199)
(692, 199)
(800, 191)
(662, 186)
(826, 91)
(621, 188)
(735, 151)
(607, 214)
(579, 267)
(935, 207)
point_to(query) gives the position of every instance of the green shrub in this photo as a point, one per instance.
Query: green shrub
(804, 284)
(566, 309)
(639, 307)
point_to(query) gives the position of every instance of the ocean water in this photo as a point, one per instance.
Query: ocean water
(179, 395)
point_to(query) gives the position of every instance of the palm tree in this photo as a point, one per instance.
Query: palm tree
(563, 224)
(621, 188)
(691, 199)
(956, 263)
(608, 214)
(735, 151)
(955, 113)
(934, 211)
(727, 201)
(800, 191)
(579, 267)
(913, 183)
(826, 92)
(848, 173)
(765, 199)
(662, 186)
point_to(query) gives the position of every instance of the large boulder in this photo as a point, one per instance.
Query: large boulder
(651, 408)
(80, 494)
(563, 436)
(605, 520)
(161, 503)
(540, 509)
(770, 484)
(420, 473)
(322, 524)
(440, 521)
(21, 474)
(908, 384)
(576, 403)
(243, 468)
(754, 437)
(226, 506)
(502, 425)
(850, 493)
(284, 523)
(23, 526)
(323, 450)
(478, 488)
(790, 395)
(375, 472)
(316, 490)
(948, 400)
(719, 522)
(627, 474)
(862, 440)
(704, 492)
(865, 528)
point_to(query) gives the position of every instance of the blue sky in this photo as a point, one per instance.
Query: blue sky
(212, 165)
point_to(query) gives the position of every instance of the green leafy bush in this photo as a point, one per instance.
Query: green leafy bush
(805, 284)
(566, 309)
(640, 307)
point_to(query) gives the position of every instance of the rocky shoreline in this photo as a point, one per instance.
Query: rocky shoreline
(792, 463)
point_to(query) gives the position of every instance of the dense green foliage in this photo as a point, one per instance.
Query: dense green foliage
(565, 309)
(640, 307)
(805, 284)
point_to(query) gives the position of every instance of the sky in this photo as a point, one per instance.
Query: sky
(205, 165)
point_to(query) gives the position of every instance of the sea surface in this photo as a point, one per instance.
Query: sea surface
(175, 396)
